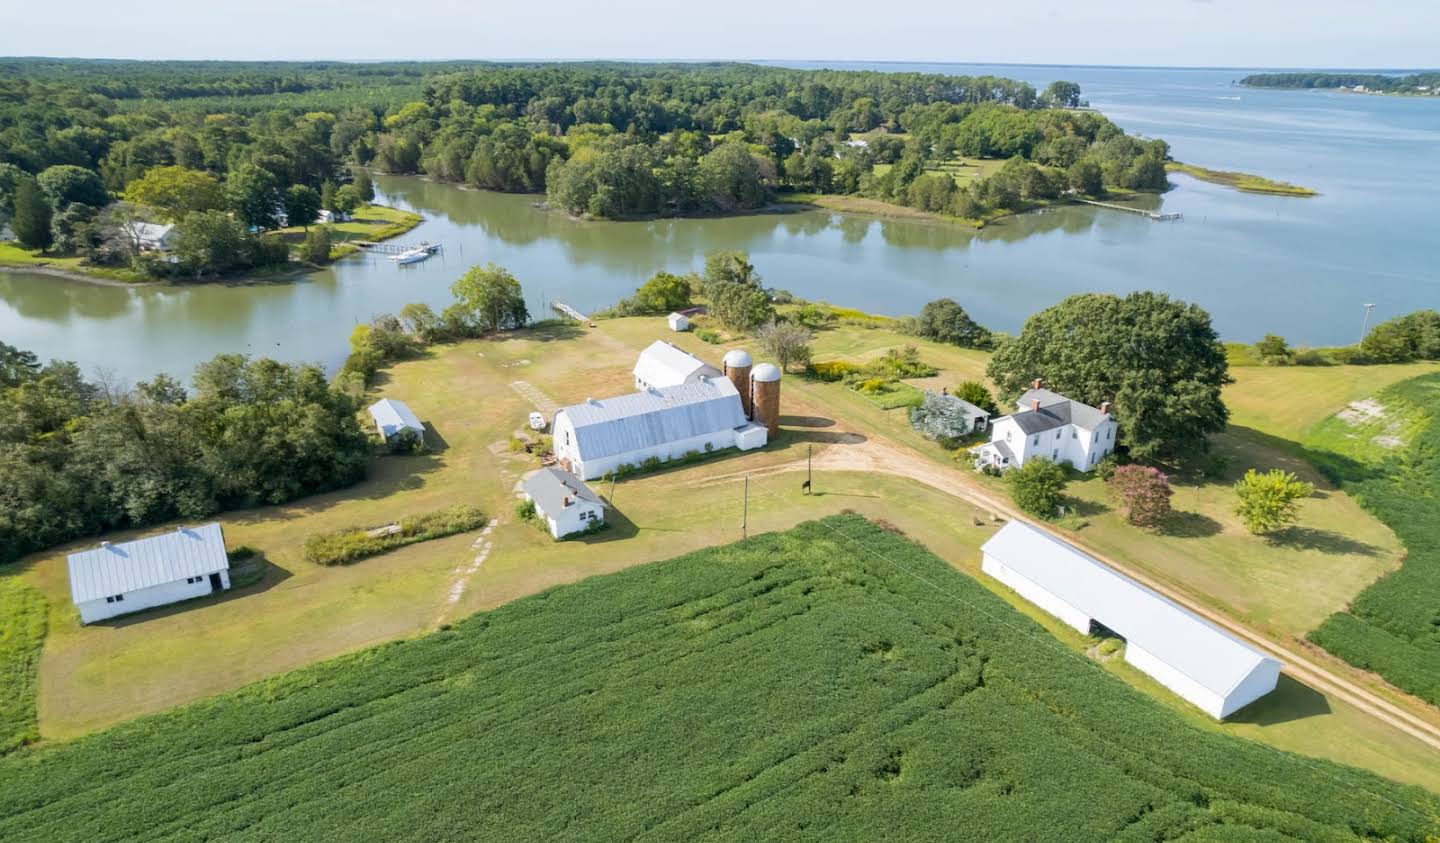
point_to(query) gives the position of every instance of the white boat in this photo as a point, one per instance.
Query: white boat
(411, 256)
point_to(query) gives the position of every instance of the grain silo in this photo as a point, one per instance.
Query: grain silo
(765, 395)
(737, 369)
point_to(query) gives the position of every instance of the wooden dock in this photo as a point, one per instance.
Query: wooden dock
(398, 248)
(567, 310)
(1154, 215)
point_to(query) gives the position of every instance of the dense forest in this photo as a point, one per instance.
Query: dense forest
(1414, 83)
(88, 148)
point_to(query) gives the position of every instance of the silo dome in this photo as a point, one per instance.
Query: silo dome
(765, 373)
(737, 358)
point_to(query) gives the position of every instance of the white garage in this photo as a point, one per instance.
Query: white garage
(1187, 654)
(117, 579)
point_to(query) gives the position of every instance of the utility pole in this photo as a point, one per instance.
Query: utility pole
(613, 477)
(1365, 326)
(809, 472)
(745, 513)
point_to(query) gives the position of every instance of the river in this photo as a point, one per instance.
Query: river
(1303, 268)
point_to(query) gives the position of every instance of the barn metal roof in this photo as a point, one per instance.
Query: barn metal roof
(663, 364)
(549, 487)
(1211, 657)
(392, 416)
(654, 417)
(130, 566)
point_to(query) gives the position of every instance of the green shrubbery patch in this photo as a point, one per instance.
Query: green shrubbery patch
(831, 682)
(22, 633)
(355, 543)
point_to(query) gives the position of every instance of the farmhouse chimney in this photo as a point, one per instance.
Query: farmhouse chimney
(567, 500)
(1035, 404)
(1037, 383)
(1104, 408)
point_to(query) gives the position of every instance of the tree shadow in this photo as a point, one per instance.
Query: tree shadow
(550, 330)
(1325, 541)
(837, 437)
(1289, 701)
(434, 442)
(806, 421)
(1190, 525)
(1085, 508)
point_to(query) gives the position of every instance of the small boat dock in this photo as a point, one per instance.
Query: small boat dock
(400, 248)
(565, 309)
(1154, 215)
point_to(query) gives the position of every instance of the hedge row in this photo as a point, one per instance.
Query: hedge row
(355, 543)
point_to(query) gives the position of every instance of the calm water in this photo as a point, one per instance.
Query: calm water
(1300, 267)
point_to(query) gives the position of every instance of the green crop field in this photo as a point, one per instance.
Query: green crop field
(1392, 627)
(22, 633)
(832, 682)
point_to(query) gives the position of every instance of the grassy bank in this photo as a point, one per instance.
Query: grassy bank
(371, 222)
(1386, 453)
(1240, 181)
(22, 634)
(13, 256)
(835, 681)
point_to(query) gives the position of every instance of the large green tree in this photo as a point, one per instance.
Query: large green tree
(253, 196)
(1158, 361)
(492, 298)
(302, 205)
(944, 320)
(66, 183)
(176, 191)
(31, 220)
(663, 293)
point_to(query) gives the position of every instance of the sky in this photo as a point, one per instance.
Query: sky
(1202, 33)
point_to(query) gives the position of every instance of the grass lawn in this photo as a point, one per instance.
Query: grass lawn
(11, 254)
(370, 222)
(834, 681)
(1287, 401)
(22, 634)
(301, 613)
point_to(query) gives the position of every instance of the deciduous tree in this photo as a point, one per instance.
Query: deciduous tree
(944, 320)
(787, 342)
(1142, 492)
(492, 298)
(1270, 501)
(1038, 487)
(302, 205)
(176, 191)
(66, 183)
(31, 221)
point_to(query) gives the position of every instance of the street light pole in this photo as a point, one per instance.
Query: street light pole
(745, 513)
(1365, 326)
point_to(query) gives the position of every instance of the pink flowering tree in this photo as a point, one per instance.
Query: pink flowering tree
(1142, 493)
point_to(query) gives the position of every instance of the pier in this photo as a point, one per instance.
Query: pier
(398, 248)
(1154, 215)
(567, 310)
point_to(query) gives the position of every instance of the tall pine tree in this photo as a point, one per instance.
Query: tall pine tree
(32, 216)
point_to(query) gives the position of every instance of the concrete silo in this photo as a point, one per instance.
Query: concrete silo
(737, 369)
(765, 396)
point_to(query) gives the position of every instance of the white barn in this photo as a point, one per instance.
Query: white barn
(563, 501)
(116, 579)
(662, 364)
(598, 436)
(391, 417)
(1187, 654)
(1047, 424)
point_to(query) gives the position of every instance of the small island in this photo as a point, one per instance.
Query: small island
(1244, 182)
(1415, 84)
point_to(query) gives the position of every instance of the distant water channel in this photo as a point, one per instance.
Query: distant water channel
(1300, 267)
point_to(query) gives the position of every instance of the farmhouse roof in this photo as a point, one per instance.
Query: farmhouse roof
(1175, 636)
(1068, 410)
(550, 487)
(654, 417)
(130, 566)
(392, 416)
(663, 364)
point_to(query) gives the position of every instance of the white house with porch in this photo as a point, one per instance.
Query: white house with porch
(116, 579)
(1047, 424)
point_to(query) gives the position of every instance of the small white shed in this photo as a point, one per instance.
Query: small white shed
(116, 579)
(391, 417)
(563, 501)
(1187, 654)
(679, 322)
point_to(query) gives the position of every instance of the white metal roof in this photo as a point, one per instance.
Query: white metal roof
(663, 364)
(1184, 641)
(392, 416)
(654, 417)
(551, 487)
(130, 566)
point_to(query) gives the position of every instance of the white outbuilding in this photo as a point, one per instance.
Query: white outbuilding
(599, 436)
(116, 579)
(662, 364)
(678, 322)
(562, 501)
(391, 417)
(1187, 654)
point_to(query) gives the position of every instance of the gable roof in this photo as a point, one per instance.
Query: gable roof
(149, 232)
(654, 417)
(1184, 641)
(549, 487)
(391, 416)
(130, 566)
(1068, 410)
(663, 364)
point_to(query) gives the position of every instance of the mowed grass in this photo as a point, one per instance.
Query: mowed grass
(370, 222)
(1288, 401)
(22, 634)
(831, 682)
(14, 255)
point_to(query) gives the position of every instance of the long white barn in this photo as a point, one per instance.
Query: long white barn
(599, 436)
(1185, 653)
(116, 579)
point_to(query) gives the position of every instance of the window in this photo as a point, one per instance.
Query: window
(1073, 434)
(1097, 436)
(1057, 434)
(1037, 440)
(118, 598)
(1007, 436)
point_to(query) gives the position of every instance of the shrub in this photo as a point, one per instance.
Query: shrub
(832, 371)
(316, 248)
(1270, 501)
(871, 386)
(899, 363)
(241, 553)
(1310, 357)
(1142, 493)
(1414, 336)
(342, 547)
(525, 510)
(1274, 351)
(707, 335)
(650, 463)
(944, 320)
(1109, 647)
(1038, 487)
(976, 393)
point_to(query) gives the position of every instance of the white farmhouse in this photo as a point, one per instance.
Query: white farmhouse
(1047, 424)
(391, 417)
(662, 364)
(563, 501)
(150, 236)
(115, 579)
(1198, 661)
(678, 322)
(599, 436)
